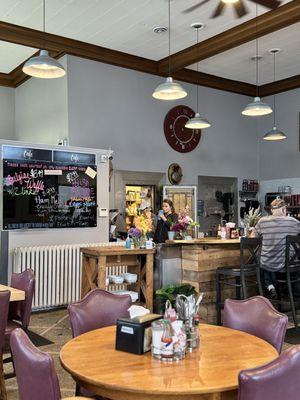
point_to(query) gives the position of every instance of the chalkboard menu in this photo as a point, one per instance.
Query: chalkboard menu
(44, 194)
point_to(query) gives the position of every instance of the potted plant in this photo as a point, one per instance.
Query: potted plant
(251, 219)
(169, 292)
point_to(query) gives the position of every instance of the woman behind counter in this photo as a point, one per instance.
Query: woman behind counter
(166, 218)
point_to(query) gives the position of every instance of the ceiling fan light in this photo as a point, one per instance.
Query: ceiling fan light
(257, 108)
(169, 90)
(274, 134)
(43, 66)
(230, 1)
(197, 122)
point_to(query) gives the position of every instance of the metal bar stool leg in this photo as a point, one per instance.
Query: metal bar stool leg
(289, 284)
(218, 298)
(238, 287)
(258, 277)
(244, 286)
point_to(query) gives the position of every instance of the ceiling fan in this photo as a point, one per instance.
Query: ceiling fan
(238, 5)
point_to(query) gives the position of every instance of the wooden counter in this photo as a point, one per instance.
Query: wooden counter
(95, 260)
(200, 259)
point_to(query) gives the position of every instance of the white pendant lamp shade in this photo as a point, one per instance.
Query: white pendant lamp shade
(257, 108)
(197, 122)
(169, 90)
(44, 66)
(275, 134)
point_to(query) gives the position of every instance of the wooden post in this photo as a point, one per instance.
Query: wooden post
(101, 272)
(149, 282)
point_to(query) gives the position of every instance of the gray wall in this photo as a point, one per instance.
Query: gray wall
(111, 106)
(42, 110)
(7, 113)
(281, 159)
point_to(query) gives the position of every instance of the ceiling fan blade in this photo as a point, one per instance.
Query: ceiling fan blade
(240, 9)
(195, 6)
(218, 11)
(272, 4)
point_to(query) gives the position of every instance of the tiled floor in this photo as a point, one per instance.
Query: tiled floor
(55, 327)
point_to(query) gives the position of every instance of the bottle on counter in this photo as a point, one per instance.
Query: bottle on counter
(219, 232)
(128, 243)
(167, 342)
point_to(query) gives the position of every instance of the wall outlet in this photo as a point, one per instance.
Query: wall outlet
(104, 158)
(103, 212)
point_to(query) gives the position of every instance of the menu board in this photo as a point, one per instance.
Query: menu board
(47, 194)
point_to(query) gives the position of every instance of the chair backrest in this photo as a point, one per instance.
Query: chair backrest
(34, 369)
(277, 380)
(249, 252)
(4, 305)
(22, 309)
(258, 317)
(292, 251)
(96, 310)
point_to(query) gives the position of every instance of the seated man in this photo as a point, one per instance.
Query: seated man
(274, 229)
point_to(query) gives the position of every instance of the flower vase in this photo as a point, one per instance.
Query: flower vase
(143, 241)
(136, 242)
(171, 235)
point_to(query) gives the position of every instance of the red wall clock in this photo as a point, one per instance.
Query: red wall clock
(180, 138)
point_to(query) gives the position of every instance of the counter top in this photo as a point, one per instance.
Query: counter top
(205, 241)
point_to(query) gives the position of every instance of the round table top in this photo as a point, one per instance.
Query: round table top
(213, 368)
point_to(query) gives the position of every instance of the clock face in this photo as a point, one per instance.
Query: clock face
(178, 136)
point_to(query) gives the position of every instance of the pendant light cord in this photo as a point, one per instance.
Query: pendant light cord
(274, 101)
(169, 37)
(197, 75)
(44, 15)
(256, 50)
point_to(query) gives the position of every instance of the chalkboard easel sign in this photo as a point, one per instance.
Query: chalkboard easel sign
(42, 194)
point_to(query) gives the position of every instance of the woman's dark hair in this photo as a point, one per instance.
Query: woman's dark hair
(170, 202)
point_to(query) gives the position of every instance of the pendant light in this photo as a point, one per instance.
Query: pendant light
(197, 122)
(257, 107)
(274, 133)
(43, 66)
(169, 90)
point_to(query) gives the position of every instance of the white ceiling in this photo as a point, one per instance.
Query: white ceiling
(126, 25)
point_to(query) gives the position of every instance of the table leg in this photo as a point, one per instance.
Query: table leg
(149, 282)
(89, 274)
(101, 272)
(3, 395)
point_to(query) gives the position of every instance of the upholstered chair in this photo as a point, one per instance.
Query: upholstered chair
(97, 309)
(258, 317)
(277, 380)
(20, 311)
(35, 371)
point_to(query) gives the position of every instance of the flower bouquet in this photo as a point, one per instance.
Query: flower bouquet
(184, 222)
(143, 225)
(251, 219)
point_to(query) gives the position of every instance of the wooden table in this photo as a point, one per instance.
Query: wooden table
(15, 295)
(210, 373)
(95, 260)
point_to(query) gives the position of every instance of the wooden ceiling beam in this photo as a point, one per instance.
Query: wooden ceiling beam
(269, 22)
(283, 85)
(215, 82)
(5, 80)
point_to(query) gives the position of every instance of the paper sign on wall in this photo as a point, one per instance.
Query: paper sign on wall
(90, 172)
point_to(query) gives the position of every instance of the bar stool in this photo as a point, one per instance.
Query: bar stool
(247, 275)
(290, 274)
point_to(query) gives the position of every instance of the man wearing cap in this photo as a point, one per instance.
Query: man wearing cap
(274, 229)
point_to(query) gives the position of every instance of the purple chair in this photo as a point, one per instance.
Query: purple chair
(277, 380)
(35, 371)
(4, 304)
(97, 310)
(20, 311)
(258, 317)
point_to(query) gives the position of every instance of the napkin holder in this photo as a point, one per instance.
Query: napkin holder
(134, 334)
